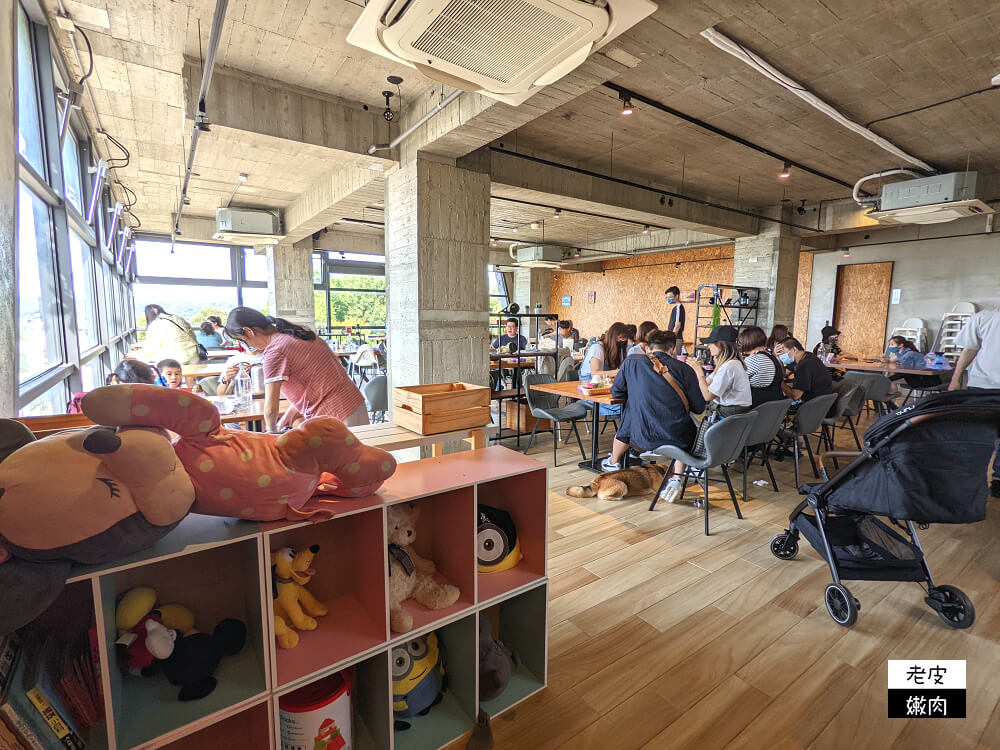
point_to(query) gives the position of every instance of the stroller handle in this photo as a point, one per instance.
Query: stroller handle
(836, 454)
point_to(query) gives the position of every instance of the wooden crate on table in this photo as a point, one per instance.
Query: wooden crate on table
(441, 407)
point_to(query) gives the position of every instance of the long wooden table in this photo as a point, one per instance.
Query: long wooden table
(888, 368)
(569, 389)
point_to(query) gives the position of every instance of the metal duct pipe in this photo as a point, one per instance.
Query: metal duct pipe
(200, 119)
(409, 131)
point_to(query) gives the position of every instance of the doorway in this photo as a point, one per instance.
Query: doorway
(861, 307)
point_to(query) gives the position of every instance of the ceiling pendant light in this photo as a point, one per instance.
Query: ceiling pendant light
(847, 253)
(786, 171)
(645, 229)
(626, 105)
(557, 214)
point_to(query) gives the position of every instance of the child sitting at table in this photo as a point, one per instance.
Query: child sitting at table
(171, 371)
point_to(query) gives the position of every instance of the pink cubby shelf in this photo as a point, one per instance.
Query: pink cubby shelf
(518, 495)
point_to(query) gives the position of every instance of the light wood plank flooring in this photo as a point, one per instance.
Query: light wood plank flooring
(660, 637)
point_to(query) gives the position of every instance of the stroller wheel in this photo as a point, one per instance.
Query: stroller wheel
(952, 606)
(784, 546)
(841, 604)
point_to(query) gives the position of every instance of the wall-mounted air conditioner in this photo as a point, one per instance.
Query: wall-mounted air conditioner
(930, 200)
(250, 226)
(540, 256)
(505, 49)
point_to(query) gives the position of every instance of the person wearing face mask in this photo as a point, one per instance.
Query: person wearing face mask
(299, 366)
(830, 337)
(728, 387)
(811, 377)
(676, 322)
(904, 352)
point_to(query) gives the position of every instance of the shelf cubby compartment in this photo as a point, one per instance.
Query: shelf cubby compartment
(372, 721)
(446, 534)
(250, 728)
(215, 583)
(520, 623)
(456, 712)
(350, 579)
(518, 495)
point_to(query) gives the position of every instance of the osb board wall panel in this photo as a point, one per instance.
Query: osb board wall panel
(631, 289)
(861, 307)
(803, 289)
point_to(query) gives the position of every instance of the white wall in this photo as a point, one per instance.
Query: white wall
(932, 275)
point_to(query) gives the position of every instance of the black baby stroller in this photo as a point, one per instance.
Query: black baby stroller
(923, 464)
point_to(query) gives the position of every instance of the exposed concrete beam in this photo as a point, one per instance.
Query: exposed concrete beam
(332, 197)
(881, 234)
(514, 178)
(369, 243)
(258, 105)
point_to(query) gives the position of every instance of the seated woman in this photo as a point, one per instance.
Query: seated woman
(603, 355)
(830, 338)
(778, 334)
(763, 368)
(728, 387)
(207, 336)
(133, 371)
(904, 352)
(655, 414)
(645, 328)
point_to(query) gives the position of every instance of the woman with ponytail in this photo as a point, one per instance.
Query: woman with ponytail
(300, 367)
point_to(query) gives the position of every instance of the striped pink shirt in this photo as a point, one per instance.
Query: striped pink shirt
(311, 376)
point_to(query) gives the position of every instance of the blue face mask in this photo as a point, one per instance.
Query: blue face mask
(671, 301)
(785, 358)
(893, 350)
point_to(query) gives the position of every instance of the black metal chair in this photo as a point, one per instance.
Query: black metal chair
(546, 406)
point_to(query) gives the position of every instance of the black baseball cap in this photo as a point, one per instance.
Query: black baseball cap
(721, 333)
(829, 331)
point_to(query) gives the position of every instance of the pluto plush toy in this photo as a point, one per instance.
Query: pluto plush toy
(253, 475)
(85, 496)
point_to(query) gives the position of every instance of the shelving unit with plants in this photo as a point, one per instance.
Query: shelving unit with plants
(719, 305)
(221, 568)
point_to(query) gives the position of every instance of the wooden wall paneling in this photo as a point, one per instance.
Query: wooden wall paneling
(631, 289)
(861, 307)
(803, 289)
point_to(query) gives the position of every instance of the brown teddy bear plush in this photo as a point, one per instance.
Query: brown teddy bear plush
(410, 575)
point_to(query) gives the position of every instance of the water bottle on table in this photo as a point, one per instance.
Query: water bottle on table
(244, 387)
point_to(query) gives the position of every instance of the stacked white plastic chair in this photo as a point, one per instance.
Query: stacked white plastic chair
(951, 324)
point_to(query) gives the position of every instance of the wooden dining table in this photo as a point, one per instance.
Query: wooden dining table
(888, 368)
(570, 389)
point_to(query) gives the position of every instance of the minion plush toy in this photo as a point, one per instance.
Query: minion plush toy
(418, 678)
(497, 545)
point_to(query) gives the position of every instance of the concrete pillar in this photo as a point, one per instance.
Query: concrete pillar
(437, 250)
(770, 261)
(8, 224)
(290, 283)
(532, 286)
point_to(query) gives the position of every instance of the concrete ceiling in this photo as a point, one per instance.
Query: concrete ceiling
(868, 59)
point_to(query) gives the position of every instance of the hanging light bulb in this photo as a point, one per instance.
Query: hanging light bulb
(557, 214)
(627, 106)
(847, 253)
(645, 229)
(786, 171)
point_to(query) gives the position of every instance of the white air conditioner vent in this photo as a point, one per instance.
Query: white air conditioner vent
(930, 200)
(505, 49)
(250, 226)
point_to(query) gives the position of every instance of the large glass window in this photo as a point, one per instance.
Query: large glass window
(357, 300)
(254, 266)
(39, 345)
(187, 261)
(29, 121)
(257, 298)
(84, 293)
(53, 401)
(193, 303)
(92, 374)
(71, 172)
(498, 290)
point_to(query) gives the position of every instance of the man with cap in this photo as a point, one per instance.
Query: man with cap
(728, 387)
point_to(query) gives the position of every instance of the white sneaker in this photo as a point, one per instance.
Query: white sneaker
(672, 491)
(607, 465)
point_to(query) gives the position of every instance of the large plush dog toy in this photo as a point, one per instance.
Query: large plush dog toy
(251, 475)
(85, 496)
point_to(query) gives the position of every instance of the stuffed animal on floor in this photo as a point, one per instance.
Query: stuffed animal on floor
(410, 575)
(635, 480)
(84, 496)
(418, 677)
(251, 475)
(293, 604)
(196, 656)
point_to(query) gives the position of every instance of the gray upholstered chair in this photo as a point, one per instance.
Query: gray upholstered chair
(724, 441)
(850, 399)
(770, 416)
(546, 406)
(808, 418)
(376, 393)
(877, 388)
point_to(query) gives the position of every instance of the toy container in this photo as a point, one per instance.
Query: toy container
(318, 716)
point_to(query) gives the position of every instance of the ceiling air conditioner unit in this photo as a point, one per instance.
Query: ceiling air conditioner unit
(250, 226)
(504, 49)
(540, 256)
(930, 200)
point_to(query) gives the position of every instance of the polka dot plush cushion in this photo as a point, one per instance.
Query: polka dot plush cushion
(249, 475)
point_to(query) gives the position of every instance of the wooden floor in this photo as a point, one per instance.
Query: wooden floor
(663, 638)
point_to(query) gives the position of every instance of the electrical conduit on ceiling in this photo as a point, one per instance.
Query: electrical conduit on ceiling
(761, 66)
(410, 130)
(201, 120)
(856, 192)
